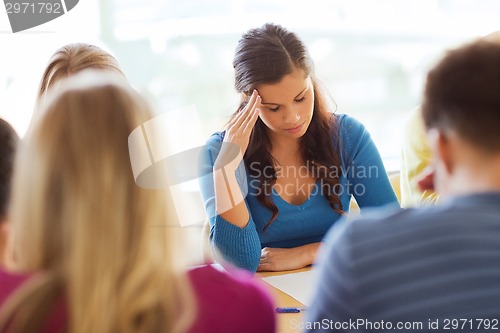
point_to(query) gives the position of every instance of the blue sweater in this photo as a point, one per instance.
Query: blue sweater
(362, 174)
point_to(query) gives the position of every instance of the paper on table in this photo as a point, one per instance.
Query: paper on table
(298, 285)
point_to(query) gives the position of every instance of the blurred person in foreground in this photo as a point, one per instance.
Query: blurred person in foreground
(95, 252)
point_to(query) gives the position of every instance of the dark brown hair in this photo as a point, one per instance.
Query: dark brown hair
(462, 93)
(264, 56)
(8, 144)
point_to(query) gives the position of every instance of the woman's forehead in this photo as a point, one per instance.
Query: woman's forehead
(289, 87)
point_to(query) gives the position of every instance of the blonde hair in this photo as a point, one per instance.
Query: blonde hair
(73, 58)
(78, 216)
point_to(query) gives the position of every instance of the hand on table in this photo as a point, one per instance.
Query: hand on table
(280, 259)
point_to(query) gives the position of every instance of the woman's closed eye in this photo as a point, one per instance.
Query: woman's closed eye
(276, 108)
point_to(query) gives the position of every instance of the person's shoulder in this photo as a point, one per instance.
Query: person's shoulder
(12, 278)
(348, 123)
(9, 282)
(394, 215)
(390, 221)
(385, 215)
(352, 134)
(365, 231)
(232, 279)
(236, 294)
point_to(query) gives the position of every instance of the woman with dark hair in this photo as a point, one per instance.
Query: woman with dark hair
(302, 163)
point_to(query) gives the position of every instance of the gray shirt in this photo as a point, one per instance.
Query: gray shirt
(433, 269)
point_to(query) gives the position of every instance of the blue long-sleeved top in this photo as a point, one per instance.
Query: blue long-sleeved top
(361, 173)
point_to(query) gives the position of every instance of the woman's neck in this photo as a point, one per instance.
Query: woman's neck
(286, 151)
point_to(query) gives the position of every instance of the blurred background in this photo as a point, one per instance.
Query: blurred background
(371, 55)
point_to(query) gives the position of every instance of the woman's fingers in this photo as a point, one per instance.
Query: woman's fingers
(263, 267)
(248, 124)
(251, 123)
(239, 116)
(238, 131)
(246, 112)
(264, 260)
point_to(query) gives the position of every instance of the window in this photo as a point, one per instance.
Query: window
(371, 55)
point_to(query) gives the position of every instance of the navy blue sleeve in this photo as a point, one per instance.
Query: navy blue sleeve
(239, 246)
(366, 175)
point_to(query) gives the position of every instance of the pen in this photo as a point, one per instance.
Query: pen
(289, 310)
